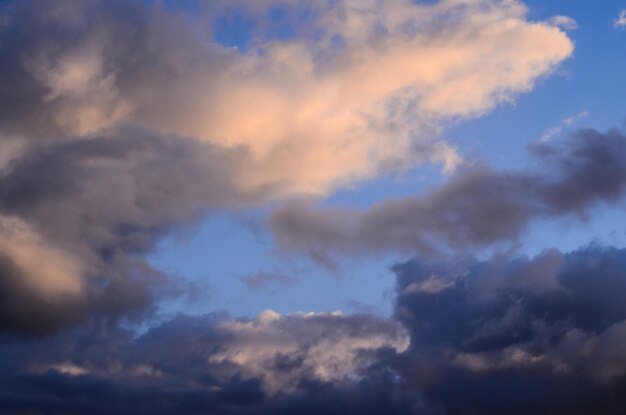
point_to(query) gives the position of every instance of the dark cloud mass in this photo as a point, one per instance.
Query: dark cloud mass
(278, 364)
(540, 335)
(477, 207)
(105, 199)
(516, 335)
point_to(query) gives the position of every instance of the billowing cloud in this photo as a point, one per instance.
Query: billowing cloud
(120, 121)
(284, 351)
(359, 87)
(509, 334)
(477, 207)
(80, 214)
(199, 364)
(545, 332)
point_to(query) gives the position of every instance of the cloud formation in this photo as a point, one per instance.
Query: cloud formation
(90, 222)
(360, 87)
(509, 334)
(478, 207)
(544, 332)
(123, 120)
(198, 365)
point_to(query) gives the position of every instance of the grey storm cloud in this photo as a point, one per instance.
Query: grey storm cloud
(104, 200)
(477, 207)
(207, 364)
(519, 335)
(540, 335)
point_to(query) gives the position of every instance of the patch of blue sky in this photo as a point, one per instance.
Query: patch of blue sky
(224, 250)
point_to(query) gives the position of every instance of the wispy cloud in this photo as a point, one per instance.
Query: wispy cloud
(261, 280)
(566, 122)
(564, 22)
(620, 22)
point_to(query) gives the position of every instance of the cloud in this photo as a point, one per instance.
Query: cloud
(357, 89)
(543, 332)
(78, 234)
(564, 22)
(200, 364)
(124, 120)
(620, 22)
(285, 350)
(478, 207)
(566, 122)
(264, 279)
(507, 334)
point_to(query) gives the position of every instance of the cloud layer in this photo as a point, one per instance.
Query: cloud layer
(522, 335)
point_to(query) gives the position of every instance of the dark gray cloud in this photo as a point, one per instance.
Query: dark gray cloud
(198, 365)
(477, 207)
(104, 200)
(517, 335)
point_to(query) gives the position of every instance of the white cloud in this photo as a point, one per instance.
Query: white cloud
(566, 122)
(432, 285)
(620, 22)
(564, 22)
(374, 89)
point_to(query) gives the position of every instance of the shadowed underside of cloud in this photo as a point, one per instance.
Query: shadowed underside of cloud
(516, 335)
(540, 335)
(477, 207)
(77, 217)
(301, 363)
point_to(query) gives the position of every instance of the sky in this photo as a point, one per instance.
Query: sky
(312, 207)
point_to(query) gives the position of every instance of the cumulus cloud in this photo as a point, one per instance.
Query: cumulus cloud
(553, 321)
(508, 334)
(226, 364)
(124, 120)
(362, 87)
(78, 216)
(284, 350)
(477, 207)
